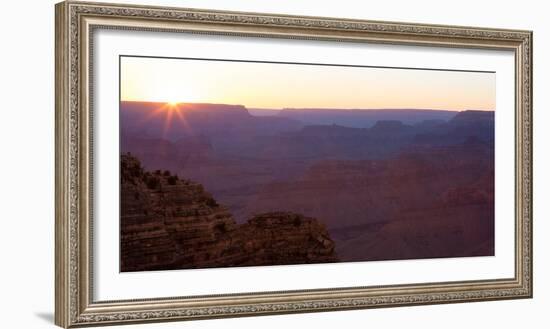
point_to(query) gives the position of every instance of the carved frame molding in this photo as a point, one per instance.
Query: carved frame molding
(75, 23)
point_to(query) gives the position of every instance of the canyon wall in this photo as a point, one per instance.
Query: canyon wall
(173, 223)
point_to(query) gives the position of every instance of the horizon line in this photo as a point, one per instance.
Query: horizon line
(309, 108)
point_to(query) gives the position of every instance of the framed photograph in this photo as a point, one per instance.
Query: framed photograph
(217, 164)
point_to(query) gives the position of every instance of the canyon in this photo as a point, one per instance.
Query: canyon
(387, 184)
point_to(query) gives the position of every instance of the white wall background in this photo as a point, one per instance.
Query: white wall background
(27, 162)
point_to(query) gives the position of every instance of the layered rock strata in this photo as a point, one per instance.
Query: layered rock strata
(173, 223)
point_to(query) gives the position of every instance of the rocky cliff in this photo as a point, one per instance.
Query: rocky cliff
(173, 223)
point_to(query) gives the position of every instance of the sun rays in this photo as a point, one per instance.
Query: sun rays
(173, 114)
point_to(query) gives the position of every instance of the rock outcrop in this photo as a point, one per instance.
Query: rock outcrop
(285, 238)
(173, 223)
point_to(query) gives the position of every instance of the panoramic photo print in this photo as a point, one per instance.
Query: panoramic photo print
(229, 163)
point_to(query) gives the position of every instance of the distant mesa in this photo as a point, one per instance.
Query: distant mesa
(363, 118)
(209, 118)
(471, 116)
(173, 122)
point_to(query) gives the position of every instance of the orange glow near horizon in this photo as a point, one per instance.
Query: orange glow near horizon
(170, 111)
(276, 86)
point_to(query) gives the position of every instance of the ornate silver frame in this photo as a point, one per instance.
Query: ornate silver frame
(75, 23)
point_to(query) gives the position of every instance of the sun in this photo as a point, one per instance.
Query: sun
(174, 96)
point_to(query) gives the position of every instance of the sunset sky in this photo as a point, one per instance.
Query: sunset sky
(267, 85)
